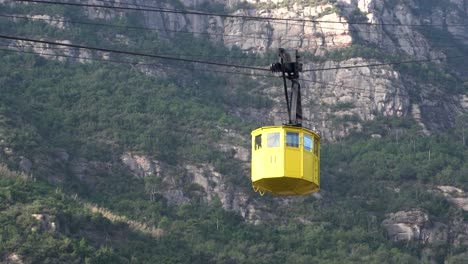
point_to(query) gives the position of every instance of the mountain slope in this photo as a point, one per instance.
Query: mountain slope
(165, 145)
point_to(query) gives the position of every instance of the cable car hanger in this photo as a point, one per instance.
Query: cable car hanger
(290, 66)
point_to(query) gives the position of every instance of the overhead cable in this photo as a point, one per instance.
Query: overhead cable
(188, 12)
(388, 63)
(133, 53)
(253, 75)
(250, 36)
(129, 62)
(222, 64)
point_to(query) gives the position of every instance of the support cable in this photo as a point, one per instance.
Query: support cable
(189, 12)
(132, 53)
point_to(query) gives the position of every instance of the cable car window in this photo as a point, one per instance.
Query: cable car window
(292, 139)
(258, 142)
(308, 145)
(273, 139)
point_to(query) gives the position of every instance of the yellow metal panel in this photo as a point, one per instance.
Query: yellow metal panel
(257, 157)
(292, 157)
(274, 154)
(308, 159)
(257, 165)
(308, 165)
(317, 164)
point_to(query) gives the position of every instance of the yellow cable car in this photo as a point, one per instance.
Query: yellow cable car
(286, 158)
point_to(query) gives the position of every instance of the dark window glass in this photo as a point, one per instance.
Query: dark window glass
(258, 142)
(292, 139)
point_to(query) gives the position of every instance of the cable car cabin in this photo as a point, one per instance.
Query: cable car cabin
(285, 160)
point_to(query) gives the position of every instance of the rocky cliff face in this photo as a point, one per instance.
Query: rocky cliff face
(349, 96)
(329, 25)
(335, 101)
(414, 225)
(418, 226)
(197, 180)
(316, 37)
(369, 91)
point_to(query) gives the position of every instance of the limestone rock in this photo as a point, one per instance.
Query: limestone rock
(205, 176)
(8, 151)
(416, 113)
(51, 52)
(240, 153)
(464, 102)
(405, 225)
(204, 181)
(262, 35)
(55, 21)
(414, 226)
(141, 165)
(13, 258)
(232, 198)
(102, 13)
(455, 195)
(351, 95)
(459, 232)
(175, 196)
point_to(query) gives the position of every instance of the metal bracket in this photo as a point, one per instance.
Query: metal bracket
(290, 67)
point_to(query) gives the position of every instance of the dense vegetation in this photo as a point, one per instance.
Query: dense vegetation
(98, 110)
(344, 227)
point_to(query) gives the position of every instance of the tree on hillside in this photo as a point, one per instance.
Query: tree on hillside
(461, 127)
